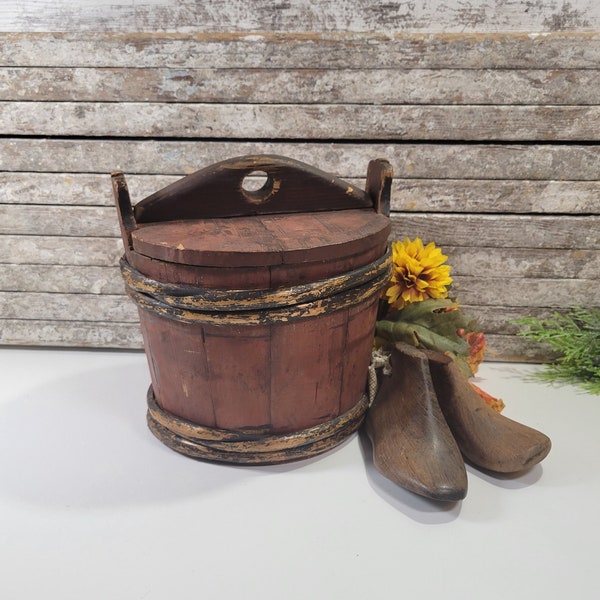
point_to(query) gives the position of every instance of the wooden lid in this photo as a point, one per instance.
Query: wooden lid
(299, 215)
(263, 240)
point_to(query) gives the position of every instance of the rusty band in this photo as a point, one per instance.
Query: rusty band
(209, 299)
(248, 446)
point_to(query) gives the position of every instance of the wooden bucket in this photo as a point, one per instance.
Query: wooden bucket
(257, 307)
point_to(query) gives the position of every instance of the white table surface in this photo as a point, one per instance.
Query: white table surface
(93, 506)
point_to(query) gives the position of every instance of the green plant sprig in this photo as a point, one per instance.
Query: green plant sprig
(575, 339)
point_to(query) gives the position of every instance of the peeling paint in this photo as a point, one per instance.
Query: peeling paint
(253, 16)
(568, 18)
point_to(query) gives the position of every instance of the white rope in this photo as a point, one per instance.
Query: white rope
(380, 359)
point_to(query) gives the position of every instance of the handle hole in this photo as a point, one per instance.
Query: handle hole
(257, 187)
(255, 181)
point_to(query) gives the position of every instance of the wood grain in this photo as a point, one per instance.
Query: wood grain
(495, 290)
(526, 293)
(67, 289)
(316, 121)
(67, 279)
(486, 438)
(40, 306)
(505, 230)
(335, 50)
(301, 85)
(413, 160)
(496, 196)
(338, 15)
(89, 334)
(83, 334)
(519, 262)
(494, 320)
(493, 138)
(413, 195)
(59, 250)
(531, 231)
(411, 441)
(525, 263)
(80, 221)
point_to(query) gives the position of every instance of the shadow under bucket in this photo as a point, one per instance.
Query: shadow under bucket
(257, 306)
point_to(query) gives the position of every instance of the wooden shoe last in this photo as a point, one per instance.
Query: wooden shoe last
(412, 444)
(486, 438)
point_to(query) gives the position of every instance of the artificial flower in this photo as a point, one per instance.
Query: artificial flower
(476, 341)
(418, 273)
(418, 311)
(496, 403)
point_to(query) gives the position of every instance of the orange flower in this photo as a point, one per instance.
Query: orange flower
(496, 403)
(476, 341)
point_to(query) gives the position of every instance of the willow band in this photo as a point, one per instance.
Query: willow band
(254, 307)
(250, 446)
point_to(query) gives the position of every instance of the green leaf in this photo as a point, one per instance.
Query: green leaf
(431, 324)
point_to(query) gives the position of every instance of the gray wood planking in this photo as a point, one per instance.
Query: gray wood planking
(489, 117)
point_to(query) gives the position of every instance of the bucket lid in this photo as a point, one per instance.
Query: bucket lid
(299, 215)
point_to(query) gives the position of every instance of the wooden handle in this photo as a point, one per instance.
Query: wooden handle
(221, 190)
(379, 185)
(124, 209)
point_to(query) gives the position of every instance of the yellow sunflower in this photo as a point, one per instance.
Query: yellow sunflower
(418, 273)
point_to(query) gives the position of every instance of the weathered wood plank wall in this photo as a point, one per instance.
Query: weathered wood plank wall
(299, 15)
(493, 137)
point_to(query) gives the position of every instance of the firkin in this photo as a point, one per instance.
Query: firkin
(257, 306)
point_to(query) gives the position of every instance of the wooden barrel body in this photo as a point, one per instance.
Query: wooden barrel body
(258, 328)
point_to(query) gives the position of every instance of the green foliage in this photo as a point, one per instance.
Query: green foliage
(575, 338)
(431, 324)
